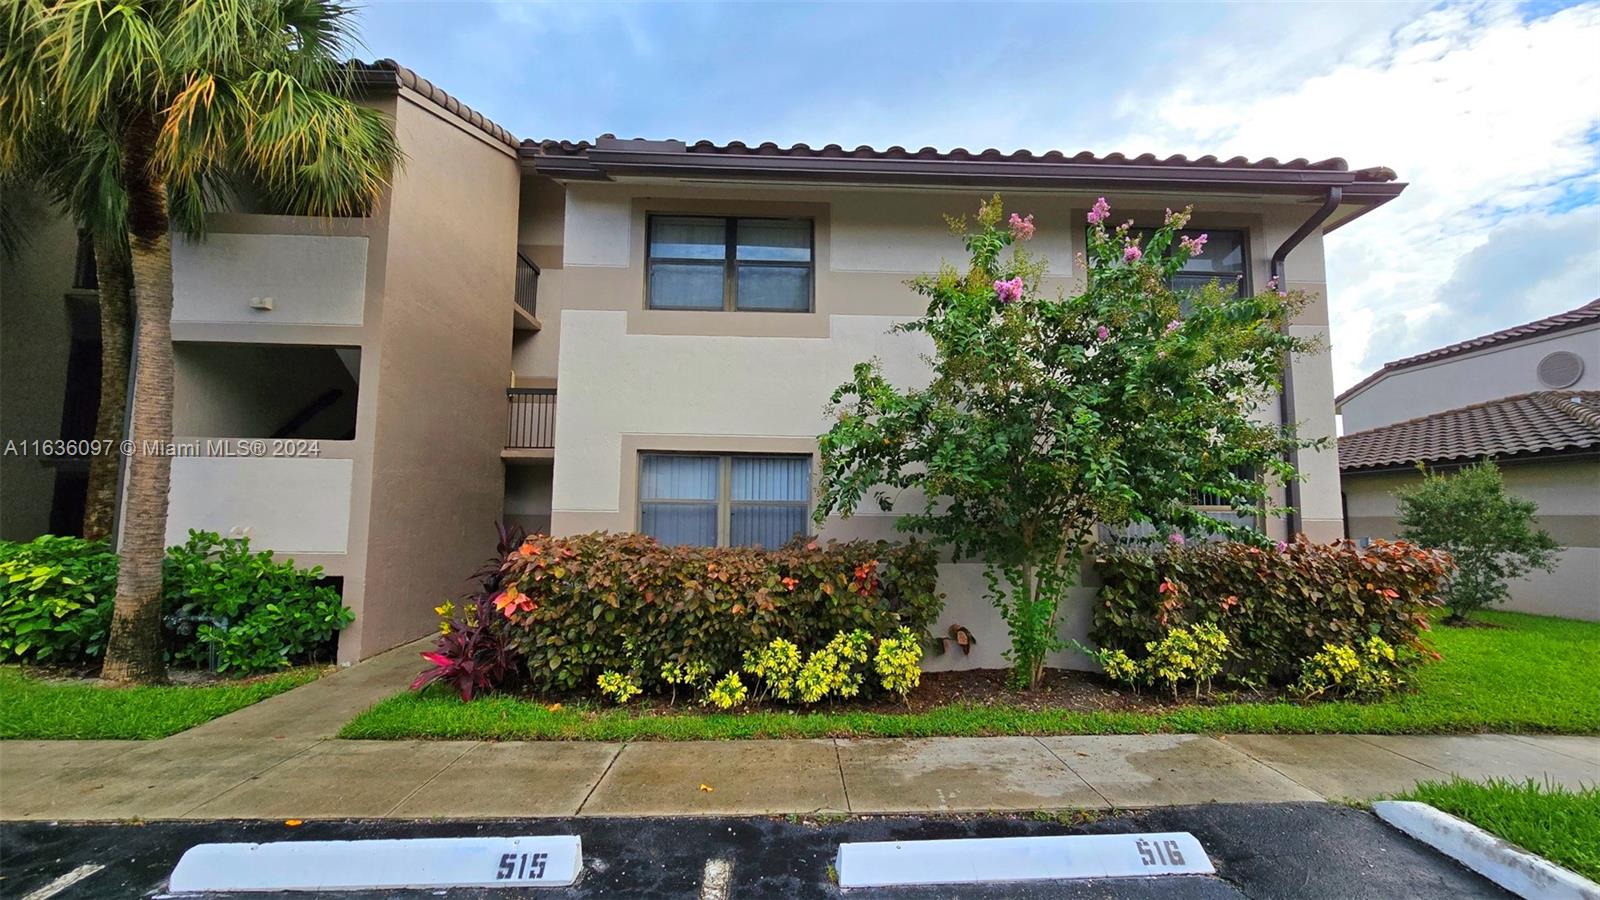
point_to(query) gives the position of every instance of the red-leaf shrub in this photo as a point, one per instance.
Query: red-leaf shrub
(578, 606)
(1277, 606)
(474, 655)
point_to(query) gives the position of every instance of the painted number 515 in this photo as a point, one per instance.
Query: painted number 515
(517, 866)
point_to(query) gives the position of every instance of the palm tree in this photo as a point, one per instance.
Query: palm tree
(196, 94)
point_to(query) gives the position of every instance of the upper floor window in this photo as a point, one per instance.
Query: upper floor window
(1222, 260)
(724, 500)
(728, 263)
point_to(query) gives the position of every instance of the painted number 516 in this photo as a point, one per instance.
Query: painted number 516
(517, 866)
(1164, 853)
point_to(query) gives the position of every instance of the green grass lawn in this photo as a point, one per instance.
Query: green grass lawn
(45, 710)
(1533, 674)
(1560, 825)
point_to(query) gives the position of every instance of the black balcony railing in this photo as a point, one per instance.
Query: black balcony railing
(527, 286)
(531, 418)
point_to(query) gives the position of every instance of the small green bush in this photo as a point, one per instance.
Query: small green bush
(625, 602)
(55, 600)
(1490, 535)
(250, 612)
(221, 604)
(1277, 607)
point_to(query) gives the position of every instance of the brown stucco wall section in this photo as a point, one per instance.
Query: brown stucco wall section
(35, 336)
(444, 358)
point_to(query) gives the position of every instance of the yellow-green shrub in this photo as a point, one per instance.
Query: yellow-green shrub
(1370, 670)
(835, 669)
(618, 686)
(899, 662)
(727, 693)
(1192, 655)
(776, 665)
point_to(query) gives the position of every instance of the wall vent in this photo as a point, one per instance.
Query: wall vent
(1560, 369)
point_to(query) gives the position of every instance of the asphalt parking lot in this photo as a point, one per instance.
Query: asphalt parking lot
(1289, 850)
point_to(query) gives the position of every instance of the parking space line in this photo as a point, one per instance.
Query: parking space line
(64, 882)
(715, 882)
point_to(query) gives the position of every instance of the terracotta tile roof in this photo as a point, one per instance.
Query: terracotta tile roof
(1572, 318)
(609, 154)
(740, 148)
(385, 71)
(1542, 422)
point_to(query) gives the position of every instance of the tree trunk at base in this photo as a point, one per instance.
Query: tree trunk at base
(134, 648)
(100, 510)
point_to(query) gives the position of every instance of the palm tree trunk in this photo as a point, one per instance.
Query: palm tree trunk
(100, 510)
(133, 650)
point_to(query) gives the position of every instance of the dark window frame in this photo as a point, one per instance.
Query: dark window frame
(1245, 286)
(724, 500)
(730, 262)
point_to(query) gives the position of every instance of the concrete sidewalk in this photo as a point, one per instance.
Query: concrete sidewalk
(279, 759)
(220, 776)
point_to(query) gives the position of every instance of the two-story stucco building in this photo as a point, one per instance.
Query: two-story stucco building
(1527, 397)
(636, 335)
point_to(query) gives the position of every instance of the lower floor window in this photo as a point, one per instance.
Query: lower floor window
(724, 500)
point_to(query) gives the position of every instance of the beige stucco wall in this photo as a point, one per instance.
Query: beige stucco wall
(309, 279)
(35, 332)
(443, 360)
(1503, 371)
(634, 379)
(1568, 494)
(264, 497)
(288, 505)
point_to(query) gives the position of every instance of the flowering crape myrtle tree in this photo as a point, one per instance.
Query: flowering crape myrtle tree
(1046, 416)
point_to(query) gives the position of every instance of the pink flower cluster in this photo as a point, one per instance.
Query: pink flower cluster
(1008, 291)
(1021, 227)
(1174, 325)
(1100, 211)
(1132, 253)
(1176, 538)
(1103, 333)
(1193, 245)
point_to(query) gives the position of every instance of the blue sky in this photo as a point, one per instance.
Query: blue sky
(1490, 110)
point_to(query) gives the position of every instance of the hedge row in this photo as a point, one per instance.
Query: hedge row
(1277, 607)
(223, 606)
(594, 602)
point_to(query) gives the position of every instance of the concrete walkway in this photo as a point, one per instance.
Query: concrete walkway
(212, 777)
(279, 759)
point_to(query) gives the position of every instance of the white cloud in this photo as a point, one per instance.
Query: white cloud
(1492, 119)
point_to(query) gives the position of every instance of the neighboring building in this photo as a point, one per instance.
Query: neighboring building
(384, 340)
(1527, 397)
(696, 304)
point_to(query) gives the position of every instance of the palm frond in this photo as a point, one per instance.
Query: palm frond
(315, 152)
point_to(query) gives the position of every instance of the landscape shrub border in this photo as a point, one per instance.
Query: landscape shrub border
(576, 607)
(1278, 606)
(223, 606)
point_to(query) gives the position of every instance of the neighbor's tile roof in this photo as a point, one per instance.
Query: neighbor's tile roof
(1541, 422)
(1572, 318)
